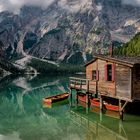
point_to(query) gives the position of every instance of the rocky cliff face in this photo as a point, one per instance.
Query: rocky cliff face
(67, 31)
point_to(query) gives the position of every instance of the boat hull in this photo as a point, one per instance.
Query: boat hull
(56, 98)
(95, 102)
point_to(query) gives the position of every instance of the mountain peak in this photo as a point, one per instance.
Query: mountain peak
(66, 29)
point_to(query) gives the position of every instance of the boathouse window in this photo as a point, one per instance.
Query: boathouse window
(94, 75)
(109, 72)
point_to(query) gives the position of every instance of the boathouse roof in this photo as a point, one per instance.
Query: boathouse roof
(128, 61)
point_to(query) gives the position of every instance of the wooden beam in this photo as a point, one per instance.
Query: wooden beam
(70, 97)
(87, 102)
(76, 97)
(80, 84)
(131, 82)
(101, 103)
(122, 108)
(87, 86)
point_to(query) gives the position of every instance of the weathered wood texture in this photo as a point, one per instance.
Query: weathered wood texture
(123, 82)
(93, 86)
(92, 83)
(83, 84)
(105, 87)
(89, 70)
(136, 82)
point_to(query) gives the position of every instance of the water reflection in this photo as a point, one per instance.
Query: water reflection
(13, 136)
(97, 130)
(24, 117)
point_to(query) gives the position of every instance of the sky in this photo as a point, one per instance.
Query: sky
(15, 5)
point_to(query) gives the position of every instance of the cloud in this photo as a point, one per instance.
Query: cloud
(74, 5)
(70, 5)
(131, 2)
(15, 5)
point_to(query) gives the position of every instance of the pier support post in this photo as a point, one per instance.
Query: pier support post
(101, 103)
(71, 97)
(87, 102)
(120, 110)
(121, 115)
(76, 98)
(101, 108)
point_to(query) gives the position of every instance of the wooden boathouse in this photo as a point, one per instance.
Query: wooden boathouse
(110, 78)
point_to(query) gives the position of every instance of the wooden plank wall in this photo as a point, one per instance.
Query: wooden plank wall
(136, 82)
(105, 87)
(123, 81)
(92, 86)
(89, 70)
(121, 87)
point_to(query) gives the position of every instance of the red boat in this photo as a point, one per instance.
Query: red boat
(96, 102)
(82, 97)
(112, 107)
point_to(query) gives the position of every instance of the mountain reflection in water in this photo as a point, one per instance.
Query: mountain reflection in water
(23, 116)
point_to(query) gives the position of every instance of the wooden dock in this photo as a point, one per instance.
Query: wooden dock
(90, 89)
(82, 84)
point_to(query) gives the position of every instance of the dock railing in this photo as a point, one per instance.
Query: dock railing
(79, 83)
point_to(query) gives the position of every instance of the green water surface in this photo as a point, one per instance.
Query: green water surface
(24, 117)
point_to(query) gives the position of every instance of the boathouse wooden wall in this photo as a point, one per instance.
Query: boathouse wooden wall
(136, 82)
(121, 86)
(89, 72)
(105, 87)
(123, 82)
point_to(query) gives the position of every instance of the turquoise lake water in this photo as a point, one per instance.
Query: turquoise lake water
(24, 117)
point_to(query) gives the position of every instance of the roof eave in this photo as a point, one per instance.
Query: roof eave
(122, 62)
(88, 63)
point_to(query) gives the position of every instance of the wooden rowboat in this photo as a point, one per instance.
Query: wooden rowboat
(95, 102)
(56, 104)
(56, 98)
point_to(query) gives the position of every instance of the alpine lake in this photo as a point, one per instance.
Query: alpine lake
(23, 116)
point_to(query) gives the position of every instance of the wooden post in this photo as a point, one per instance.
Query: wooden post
(76, 97)
(87, 97)
(75, 83)
(80, 84)
(101, 103)
(120, 110)
(70, 97)
(87, 102)
(101, 108)
(88, 86)
(96, 89)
